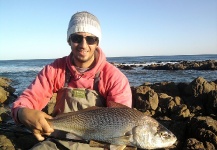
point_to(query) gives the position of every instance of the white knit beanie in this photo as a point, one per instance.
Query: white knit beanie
(84, 22)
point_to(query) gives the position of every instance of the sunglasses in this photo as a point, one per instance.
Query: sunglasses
(75, 38)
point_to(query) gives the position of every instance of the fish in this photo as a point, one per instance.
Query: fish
(116, 125)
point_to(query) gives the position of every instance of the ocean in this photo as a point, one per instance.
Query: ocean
(23, 72)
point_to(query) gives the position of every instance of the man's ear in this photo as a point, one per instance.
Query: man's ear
(69, 42)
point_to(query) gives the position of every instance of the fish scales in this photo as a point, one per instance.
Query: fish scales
(119, 126)
(107, 122)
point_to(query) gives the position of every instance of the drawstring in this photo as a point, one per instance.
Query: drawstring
(68, 77)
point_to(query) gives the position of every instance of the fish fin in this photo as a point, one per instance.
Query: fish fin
(73, 136)
(117, 147)
(116, 105)
(129, 133)
(122, 140)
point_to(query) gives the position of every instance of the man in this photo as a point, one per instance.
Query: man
(85, 72)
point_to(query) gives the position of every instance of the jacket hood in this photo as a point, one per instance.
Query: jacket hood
(100, 63)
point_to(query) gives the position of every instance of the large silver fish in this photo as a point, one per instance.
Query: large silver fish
(118, 125)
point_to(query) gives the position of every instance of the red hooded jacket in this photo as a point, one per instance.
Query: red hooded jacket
(113, 84)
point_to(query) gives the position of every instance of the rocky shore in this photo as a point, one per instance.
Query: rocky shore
(182, 65)
(187, 109)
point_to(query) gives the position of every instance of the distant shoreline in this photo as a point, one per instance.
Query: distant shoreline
(187, 55)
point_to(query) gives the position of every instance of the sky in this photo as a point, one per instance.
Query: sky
(37, 29)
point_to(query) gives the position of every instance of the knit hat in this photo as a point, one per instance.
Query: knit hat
(84, 22)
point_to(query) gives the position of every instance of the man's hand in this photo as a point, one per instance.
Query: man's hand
(36, 121)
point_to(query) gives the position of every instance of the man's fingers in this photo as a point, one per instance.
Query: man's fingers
(47, 116)
(47, 134)
(38, 135)
(46, 128)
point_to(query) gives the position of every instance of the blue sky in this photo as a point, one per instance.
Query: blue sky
(36, 29)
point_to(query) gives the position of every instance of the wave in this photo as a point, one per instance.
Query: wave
(17, 69)
(23, 72)
(143, 64)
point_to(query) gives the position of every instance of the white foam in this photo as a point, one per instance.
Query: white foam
(15, 69)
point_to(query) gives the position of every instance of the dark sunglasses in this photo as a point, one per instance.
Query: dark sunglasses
(75, 38)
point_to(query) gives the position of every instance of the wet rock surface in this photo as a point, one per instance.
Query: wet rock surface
(187, 109)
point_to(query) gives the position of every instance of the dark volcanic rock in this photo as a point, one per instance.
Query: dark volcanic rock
(125, 67)
(199, 86)
(211, 104)
(6, 91)
(187, 109)
(185, 65)
(204, 129)
(193, 105)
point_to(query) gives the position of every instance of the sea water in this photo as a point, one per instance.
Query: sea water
(23, 72)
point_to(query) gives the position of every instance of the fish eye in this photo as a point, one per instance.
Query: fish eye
(164, 135)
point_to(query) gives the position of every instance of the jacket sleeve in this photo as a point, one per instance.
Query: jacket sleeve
(115, 86)
(39, 92)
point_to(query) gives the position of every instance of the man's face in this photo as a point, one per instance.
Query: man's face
(83, 53)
